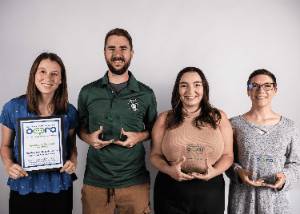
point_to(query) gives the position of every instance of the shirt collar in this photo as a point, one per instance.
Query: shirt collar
(132, 82)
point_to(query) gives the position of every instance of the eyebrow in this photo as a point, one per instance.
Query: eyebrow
(183, 82)
(40, 68)
(111, 46)
(262, 83)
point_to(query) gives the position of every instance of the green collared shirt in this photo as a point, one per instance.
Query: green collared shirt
(133, 109)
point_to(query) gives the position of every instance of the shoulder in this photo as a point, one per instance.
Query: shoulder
(288, 124)
(89, 86)
(145, 88)
(162, 117)
(237, 123)
(71, 109)
(223, 114)
(16, 102)
(235, 118)
(224, 117)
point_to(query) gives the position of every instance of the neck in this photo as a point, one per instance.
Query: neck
(190, 110)
(262, 115)
(261, 112)
(117, 79)
(46, 105)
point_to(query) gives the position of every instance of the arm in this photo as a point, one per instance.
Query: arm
(71, 164)
(291, 170)
(13, 170)
(226, 159)
(157, 158)
(237, 174)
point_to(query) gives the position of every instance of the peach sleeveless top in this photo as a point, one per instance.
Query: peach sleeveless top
(198, 146)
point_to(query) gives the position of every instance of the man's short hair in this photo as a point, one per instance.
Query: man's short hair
(118, 32)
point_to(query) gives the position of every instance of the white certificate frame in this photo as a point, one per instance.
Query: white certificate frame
(41, 145)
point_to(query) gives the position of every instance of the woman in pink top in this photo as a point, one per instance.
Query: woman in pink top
(192, 147)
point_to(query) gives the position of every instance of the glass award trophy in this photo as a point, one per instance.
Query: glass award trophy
(196, 158)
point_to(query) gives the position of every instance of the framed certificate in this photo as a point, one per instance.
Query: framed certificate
(40, 143)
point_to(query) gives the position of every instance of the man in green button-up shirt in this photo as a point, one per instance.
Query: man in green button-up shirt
(116, 115)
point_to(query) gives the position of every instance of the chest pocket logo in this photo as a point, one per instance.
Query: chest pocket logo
(133, 104)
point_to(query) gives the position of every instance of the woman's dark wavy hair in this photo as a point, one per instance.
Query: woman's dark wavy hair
(208, 114)
(60, 98)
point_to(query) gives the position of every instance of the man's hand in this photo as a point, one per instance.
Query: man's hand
(132, 138)
(94, 141)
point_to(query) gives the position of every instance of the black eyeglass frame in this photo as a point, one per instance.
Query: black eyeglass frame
(255, 86)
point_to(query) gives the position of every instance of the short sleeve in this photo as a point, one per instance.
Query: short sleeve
(82, 110)
(6, 115)
(72, 116)
(151, 113)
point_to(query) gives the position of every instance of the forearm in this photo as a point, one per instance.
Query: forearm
(160, 163)
(6, 156)
(142, 136)
(223, 163)
(84, 136)
(74, 155)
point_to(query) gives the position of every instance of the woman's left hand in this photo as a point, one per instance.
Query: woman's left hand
(210, 173)
(280, 181)
(69, 167)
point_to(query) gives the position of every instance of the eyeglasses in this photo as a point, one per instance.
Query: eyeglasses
(266, 86)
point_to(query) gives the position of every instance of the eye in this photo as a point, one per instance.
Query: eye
(183, 85)
(41, 71)
(199, 84)
(253, 86)
(110, 48)
(268, 86)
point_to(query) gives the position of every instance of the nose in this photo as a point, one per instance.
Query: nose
(189, 91)
(48, 76)
(117, 52)
(260, 88)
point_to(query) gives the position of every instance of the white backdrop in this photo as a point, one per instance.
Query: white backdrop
(226, 39)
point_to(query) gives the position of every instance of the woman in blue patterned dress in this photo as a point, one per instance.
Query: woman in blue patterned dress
(267, 160)
(46, 95)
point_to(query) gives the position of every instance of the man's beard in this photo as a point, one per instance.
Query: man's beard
(118, 71)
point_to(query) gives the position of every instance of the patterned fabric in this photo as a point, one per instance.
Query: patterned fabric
(264, 151)
(39, 182)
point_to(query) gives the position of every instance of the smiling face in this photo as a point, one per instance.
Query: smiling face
(118, 54)
(263, 91)
(191, 90)
(48, 77)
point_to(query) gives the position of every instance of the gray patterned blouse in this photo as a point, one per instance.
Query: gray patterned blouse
(264, 151)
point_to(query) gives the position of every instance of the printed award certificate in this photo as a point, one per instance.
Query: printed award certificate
(41, 145)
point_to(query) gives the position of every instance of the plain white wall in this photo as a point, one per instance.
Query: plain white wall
(226, 39)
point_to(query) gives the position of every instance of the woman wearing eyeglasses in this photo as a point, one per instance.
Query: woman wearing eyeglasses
(266, 153)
